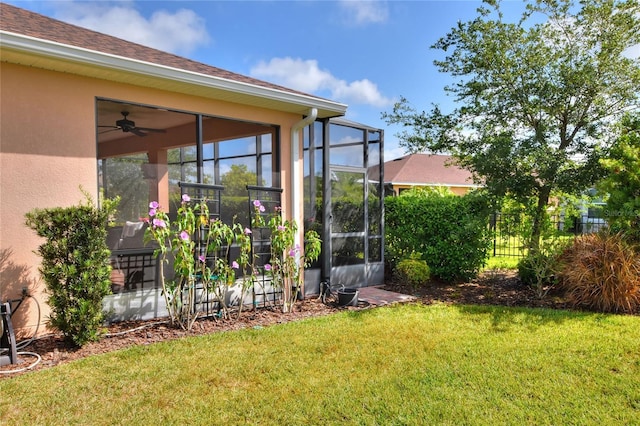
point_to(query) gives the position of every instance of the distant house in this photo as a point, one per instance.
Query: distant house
(426, 170)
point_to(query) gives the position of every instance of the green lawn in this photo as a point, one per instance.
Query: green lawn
(405, 365)
(502, 262)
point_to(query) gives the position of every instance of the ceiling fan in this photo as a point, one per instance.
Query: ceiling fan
(128, 126)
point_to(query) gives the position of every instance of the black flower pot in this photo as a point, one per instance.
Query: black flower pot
(348, 297)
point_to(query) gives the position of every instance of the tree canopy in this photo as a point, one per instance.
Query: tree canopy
(235, 181)
(622, 185)
(536, 99)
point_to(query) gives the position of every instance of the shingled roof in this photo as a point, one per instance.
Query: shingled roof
(21, 22)
(426, 169)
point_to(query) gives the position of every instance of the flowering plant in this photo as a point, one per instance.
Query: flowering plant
(287, 262)
(246, 263)
(200, 249)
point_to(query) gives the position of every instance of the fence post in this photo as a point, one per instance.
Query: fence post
(494, 219)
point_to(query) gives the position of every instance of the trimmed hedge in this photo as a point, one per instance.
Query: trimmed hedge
(451, 232)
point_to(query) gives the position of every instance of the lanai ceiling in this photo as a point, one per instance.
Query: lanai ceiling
(177, 128)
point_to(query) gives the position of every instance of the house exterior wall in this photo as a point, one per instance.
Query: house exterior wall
(48, 151)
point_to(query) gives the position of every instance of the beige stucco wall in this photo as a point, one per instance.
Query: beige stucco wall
(48, 150)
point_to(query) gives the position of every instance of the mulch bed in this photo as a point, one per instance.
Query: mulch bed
(493, 288)
(502, 288)
(54, 349)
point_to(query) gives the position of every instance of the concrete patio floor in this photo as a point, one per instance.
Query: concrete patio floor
(378, 297)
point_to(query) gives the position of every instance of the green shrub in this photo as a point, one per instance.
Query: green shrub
(527, 269)
(539, 269)
(451, 232)
(75, 266)
(413, 271)
(602, 272)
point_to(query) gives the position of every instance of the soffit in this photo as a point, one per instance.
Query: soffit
(42, 54)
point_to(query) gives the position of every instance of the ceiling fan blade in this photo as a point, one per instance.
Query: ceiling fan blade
(147, 129)
(109, 129)
(136, 131)
(128, 126)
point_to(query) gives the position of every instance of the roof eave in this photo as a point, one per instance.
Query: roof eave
(235, 91)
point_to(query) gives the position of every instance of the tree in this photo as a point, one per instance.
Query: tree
(235, 181)
(536, 99)
(123, 177)
(622, 185)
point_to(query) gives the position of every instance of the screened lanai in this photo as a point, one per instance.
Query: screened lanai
(343, 201)
(145, 153)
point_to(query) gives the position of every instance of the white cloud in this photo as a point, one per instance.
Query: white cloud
(393, 152)
(306, 76)
(180, 32)
(360, 92)
(364, 12)
(299, 74)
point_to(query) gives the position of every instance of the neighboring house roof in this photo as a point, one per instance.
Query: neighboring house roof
(426, 169)
(32, 39)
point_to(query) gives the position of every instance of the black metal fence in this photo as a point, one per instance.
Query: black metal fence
(509, 231)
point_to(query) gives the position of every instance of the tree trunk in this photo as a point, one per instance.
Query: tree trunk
(538, 219)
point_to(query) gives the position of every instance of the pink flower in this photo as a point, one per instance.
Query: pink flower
(235, 265)
(278, 208)
(152, 212)
(154, 205)
(261, 208)
(159, 223)
(267, 267)
(185, 198)
(292, 252)
(184, 236)
(281, 228)
(256, 203)
(202, 258)
(247, 231)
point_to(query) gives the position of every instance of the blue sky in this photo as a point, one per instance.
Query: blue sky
(363, 53)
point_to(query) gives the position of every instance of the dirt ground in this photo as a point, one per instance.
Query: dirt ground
(493, 288)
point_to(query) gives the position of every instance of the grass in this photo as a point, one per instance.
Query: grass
(509, 251)
(407, 364)
(502, 262)
(508, 246)
(515, 246)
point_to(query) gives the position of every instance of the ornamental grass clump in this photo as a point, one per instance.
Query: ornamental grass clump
(601, 272)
